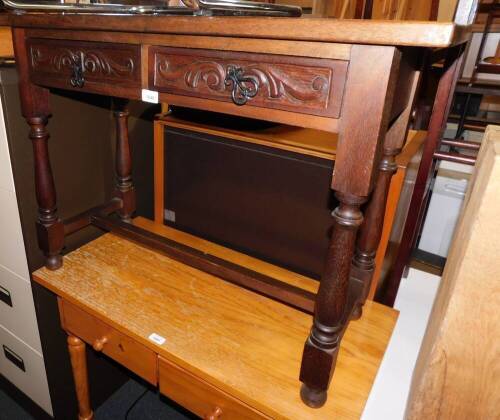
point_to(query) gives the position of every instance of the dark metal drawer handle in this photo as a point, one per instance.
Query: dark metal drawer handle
(14, 358)
(5, 296)
(244, 87)
(77, 79)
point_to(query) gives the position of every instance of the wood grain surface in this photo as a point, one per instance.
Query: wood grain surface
(228, 254)
(269, 46)
(6, 46)
(101, 337)
(77, 355)
(242, 343)
(200, 397)
(457, 372)
(305, 141)
(403, 33)
(303, 85)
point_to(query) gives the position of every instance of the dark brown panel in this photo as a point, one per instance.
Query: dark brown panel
(303, 85)
(89, 66)
(248, 197)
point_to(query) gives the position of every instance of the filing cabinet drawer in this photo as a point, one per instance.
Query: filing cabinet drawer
(12, 251)
(200, 397)
(6, 179)
(91, 66)
(131, 354)
(24, 368)
(17, 310)
(302, 85)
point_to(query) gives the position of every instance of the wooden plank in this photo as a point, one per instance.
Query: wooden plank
(233, 273)
(305, 141)
(295, 48)
(457, 370)
(397, 33)
(6, 46)
(228, 254)
(159, 172)
(200, 397)
(242, 343)
(274, 115)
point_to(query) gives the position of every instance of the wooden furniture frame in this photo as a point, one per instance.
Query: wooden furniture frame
(338, 76)
(302, 141)
(113, 294)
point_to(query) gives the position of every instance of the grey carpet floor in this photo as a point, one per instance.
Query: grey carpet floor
(9, 410)
(150, 406)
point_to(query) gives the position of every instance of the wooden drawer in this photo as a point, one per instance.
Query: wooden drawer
(114, 344)
(200, 397)
(103, 66)
(303, 85)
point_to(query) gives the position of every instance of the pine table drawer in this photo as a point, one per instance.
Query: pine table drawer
(297, 84)
(98, 67)
(111, 342)
(200, 397)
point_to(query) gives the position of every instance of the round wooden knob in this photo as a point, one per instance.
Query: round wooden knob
(98, 344)
(215, 414)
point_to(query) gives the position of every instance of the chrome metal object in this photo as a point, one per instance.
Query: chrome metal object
(194, 7)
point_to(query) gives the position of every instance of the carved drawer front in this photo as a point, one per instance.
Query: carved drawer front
(126, 351)
(200, 397)
(303, 85)
(90, 66)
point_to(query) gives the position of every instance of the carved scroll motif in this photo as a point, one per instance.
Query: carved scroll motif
(92, 62)
(276, 81)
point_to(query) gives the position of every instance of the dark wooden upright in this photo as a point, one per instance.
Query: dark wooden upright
(35, 108)
(124, 189)
(363, 264)
(361, 134)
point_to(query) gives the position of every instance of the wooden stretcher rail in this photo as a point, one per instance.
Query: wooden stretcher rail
(233, 273)
(75, 223)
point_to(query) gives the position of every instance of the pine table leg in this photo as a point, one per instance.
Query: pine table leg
(78, 358)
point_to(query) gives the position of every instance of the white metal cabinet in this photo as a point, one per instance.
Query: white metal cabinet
(21, 359)
(12, 252)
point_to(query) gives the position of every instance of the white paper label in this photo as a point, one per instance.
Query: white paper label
(150, 96)
(158, 339)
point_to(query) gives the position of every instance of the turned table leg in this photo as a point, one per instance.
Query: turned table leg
(370, 233)
(50, 229)
(124, 188)
(372, 75)
(440, 110)
(371, 229)
(78, 358)
(35, 109)
(322, 346)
